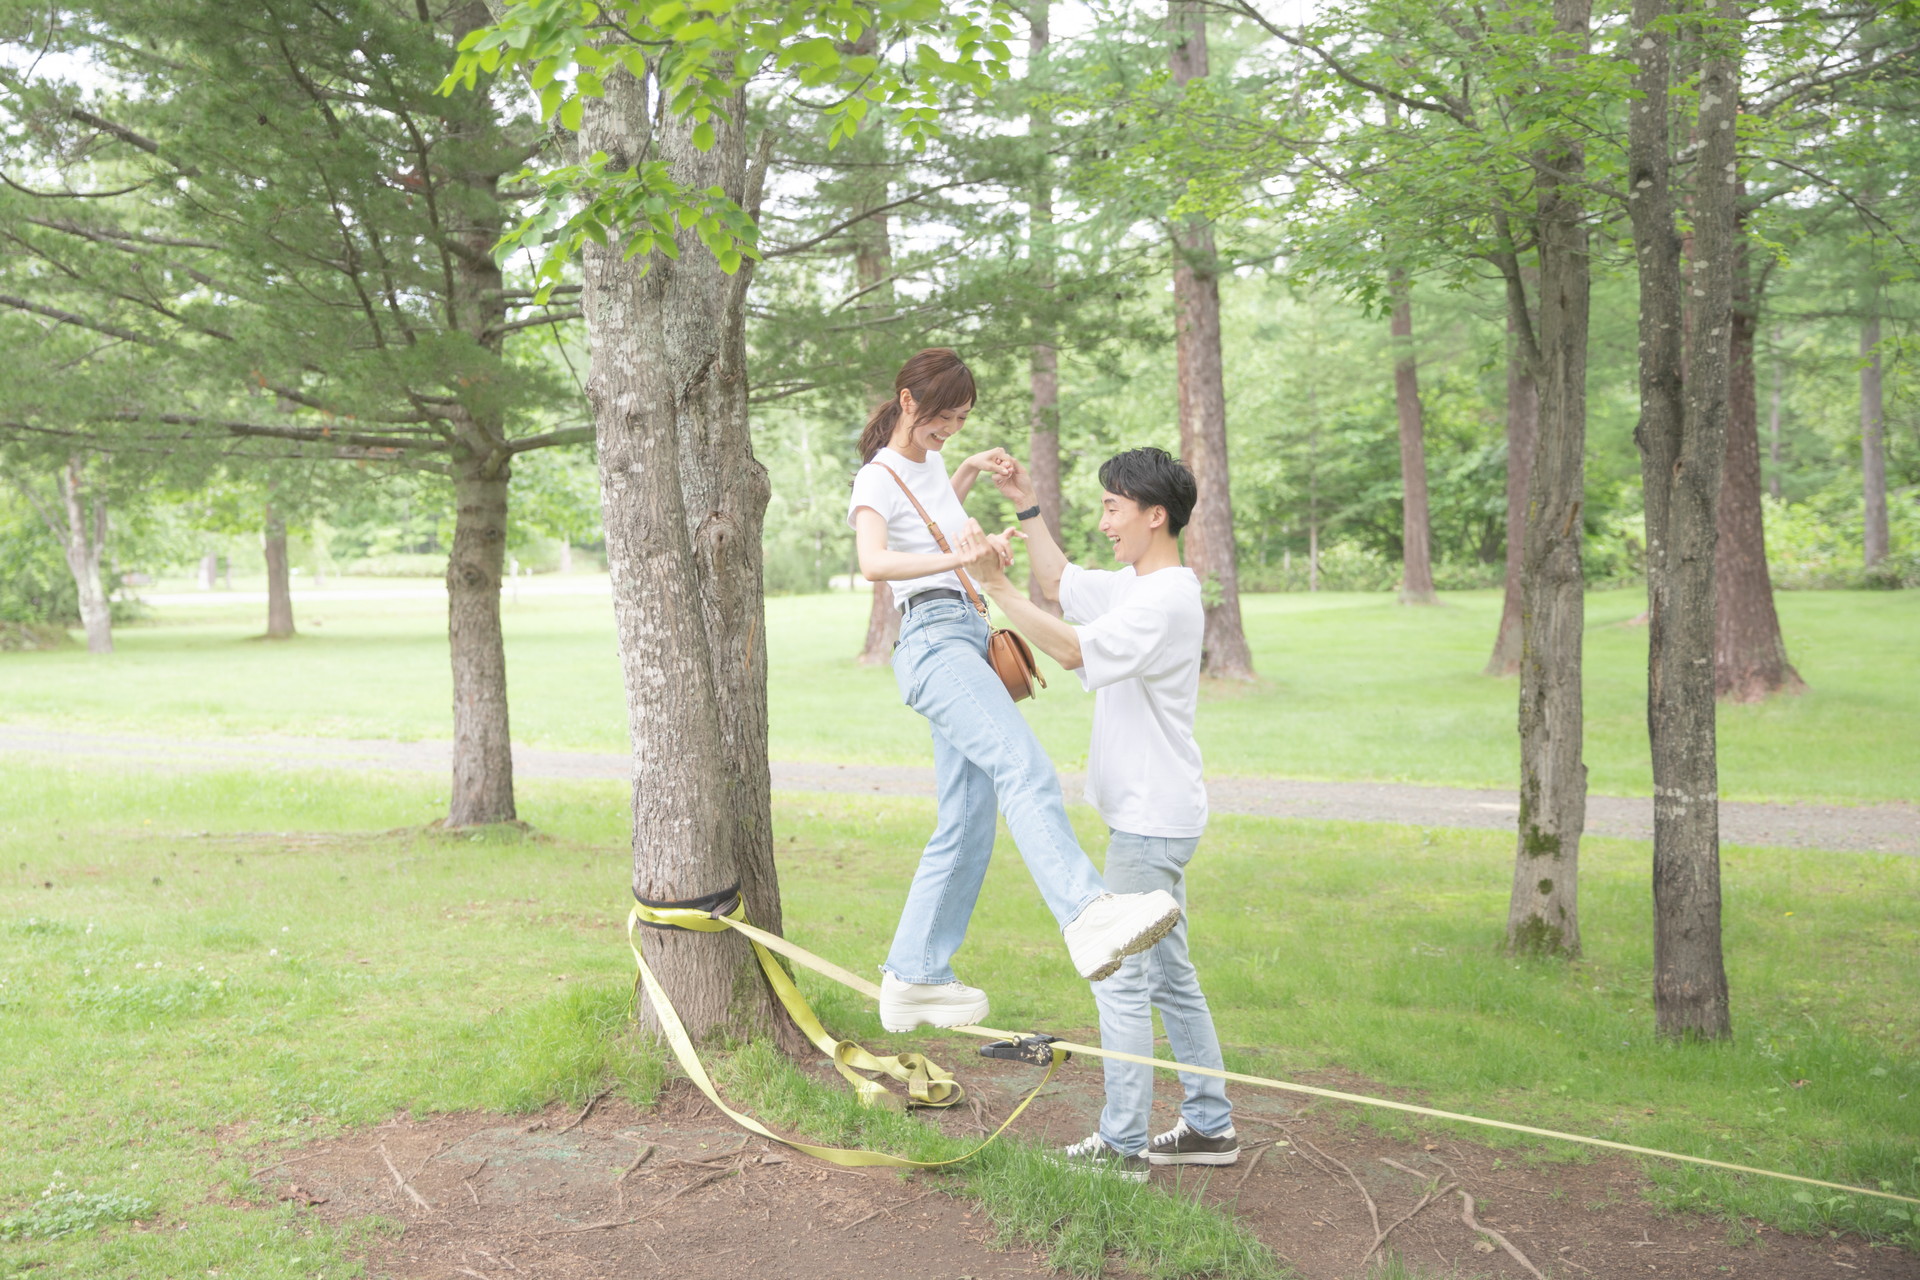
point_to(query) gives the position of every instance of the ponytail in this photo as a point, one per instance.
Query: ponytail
(939, 380)
(879, 429)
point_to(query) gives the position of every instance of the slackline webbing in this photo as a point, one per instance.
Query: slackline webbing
(937, 1085)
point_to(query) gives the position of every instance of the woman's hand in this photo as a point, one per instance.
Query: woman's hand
(986, 556)
(995, 463)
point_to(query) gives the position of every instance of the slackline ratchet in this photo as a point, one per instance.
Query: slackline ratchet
(928, 1085)
(939, 1088)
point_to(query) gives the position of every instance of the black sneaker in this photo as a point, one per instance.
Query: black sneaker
(1184, 1144)
(1095, 1156)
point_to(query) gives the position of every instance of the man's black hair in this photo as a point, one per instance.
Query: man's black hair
(1153, 478)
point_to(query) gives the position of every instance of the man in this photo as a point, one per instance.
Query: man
(1133, 636)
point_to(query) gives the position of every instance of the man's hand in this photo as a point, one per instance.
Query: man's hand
(1015, 483)
(985, 556)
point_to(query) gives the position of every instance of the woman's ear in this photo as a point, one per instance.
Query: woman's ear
(906, 402)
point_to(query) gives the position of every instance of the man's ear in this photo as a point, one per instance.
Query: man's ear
(1156, 517)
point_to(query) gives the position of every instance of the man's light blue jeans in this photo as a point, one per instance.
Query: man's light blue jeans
(1162, 978)
(985, 757)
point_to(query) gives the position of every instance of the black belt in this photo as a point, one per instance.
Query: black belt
(929, 596)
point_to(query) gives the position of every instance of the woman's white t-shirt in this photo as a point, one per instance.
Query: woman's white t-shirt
(874, 488)
(1140, 651)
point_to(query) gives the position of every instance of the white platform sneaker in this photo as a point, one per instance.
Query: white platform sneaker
(906, 1005)
(1115, 926)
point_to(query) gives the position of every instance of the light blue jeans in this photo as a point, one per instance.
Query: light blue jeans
(1162, 978)
(985, 757)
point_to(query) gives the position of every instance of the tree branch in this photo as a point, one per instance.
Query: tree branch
(514, 326)
(551, 440)
(856, 220)
(129, 137)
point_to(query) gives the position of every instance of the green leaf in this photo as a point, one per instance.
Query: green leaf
(570, 115)
(703, 136)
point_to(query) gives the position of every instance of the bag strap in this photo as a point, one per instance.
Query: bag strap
(939, 540)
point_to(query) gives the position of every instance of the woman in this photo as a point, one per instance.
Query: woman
(984, 754)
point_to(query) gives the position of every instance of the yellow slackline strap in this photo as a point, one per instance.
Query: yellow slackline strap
(765, 941)
(927, 1083)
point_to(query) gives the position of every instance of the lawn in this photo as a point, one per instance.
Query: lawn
(1353, 687)
(194, 965)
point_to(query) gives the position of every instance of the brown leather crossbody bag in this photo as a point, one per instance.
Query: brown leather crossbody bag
(1009, 655)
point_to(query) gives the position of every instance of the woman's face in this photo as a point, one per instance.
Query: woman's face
(930, 434)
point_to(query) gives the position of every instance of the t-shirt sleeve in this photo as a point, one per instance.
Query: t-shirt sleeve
(1085, 594)
(1123, 643)
(873, 487)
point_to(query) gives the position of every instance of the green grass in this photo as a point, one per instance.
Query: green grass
(190, 988)
(1353, 686)
(1079, 1221)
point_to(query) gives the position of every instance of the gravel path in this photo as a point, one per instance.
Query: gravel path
(1876, 828)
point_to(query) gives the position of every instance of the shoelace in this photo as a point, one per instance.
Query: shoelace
(1173, 1135)
(1091, 1146)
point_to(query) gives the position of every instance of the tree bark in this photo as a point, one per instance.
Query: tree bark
(1682, 435)
(872, 264)
(1873, 436)
(1543, 915)
(482, 741)
(1043, 359)
(84, 540)
(273, 542)
(1416, 539)
(1523, 426)
(1749, 656)
(684, 500)
(1773, 423)
(1203, 397)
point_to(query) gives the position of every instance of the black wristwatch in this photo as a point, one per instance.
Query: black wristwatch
(1028, 514)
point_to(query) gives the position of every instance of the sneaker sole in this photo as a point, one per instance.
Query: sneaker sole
(1197, 1157)
(1140, 942)
(944, 1019)
(1103, 1171)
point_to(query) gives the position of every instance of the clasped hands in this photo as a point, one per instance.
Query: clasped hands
(986, 555)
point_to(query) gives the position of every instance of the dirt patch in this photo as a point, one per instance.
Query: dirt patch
(677, 1190)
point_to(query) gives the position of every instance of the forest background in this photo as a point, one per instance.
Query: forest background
(874, 249)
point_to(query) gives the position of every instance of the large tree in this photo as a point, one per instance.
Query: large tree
(659, 206)
(1210, 548)
(309, 229)
(1684, 363)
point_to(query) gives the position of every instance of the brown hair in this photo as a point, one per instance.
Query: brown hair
(939, 380)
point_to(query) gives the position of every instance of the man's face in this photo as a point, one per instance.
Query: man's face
(1129, 525)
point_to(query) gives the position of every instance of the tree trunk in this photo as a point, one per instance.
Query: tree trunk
(1043, 360)
(684, 500)
(482, 743)
(1749, 656)
(1416, 539)
(1682, 435)
(872, 264)
(1043, 448)
(209, 570)
(1543, 915)
(1873, 436)
(273, 542)
(1203, 397)
(1523, 426)
(482, 740)
(1773, 423)
(85, 542)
